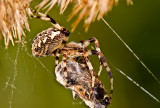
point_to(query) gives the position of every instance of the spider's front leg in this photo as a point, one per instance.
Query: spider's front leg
(45, 17)
(48, 18)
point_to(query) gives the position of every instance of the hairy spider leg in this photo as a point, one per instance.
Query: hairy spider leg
(50, 19)
(46, 18)
(89, 41)
(57, 58)
(103, 61)
(64, 64)
(90, 67)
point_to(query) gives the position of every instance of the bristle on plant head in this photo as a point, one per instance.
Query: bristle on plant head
(13, 20)
(89, 10)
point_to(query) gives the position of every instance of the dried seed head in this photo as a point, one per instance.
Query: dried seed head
(89, 10)
(13, 19)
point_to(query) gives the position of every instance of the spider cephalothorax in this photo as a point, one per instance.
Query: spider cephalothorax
(53, 41)
(78, 79)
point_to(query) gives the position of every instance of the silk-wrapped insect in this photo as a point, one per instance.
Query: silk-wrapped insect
(78, 79)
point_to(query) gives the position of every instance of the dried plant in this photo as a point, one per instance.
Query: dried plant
(13, 19)
(88, 10)
(14, 14)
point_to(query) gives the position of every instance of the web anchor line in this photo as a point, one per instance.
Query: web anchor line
(143, 89)
(131, 51)
(134, 82)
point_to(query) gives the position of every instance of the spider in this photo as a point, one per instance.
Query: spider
(79, 81)
(53, 41)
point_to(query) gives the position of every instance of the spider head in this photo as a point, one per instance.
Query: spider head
(49, 41)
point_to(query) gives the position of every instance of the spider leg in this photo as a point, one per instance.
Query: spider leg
(90, 67)
(100, 69)
(87, 43)
(48, 18)
(81, 60)
(64, 64)
(57, 58)
(103, 62)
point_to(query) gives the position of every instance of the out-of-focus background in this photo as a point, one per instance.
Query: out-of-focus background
(28, 82)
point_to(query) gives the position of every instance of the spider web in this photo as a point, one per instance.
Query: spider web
(11, 79)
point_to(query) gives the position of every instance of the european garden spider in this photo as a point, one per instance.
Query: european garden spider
(53, 42)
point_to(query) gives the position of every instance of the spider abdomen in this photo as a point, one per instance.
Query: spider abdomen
(47, 41)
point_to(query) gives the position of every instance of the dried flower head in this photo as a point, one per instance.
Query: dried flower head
(88, 10)
(13, 19)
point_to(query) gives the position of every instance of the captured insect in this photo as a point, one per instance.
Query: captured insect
(53, 41)
(79, 80)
